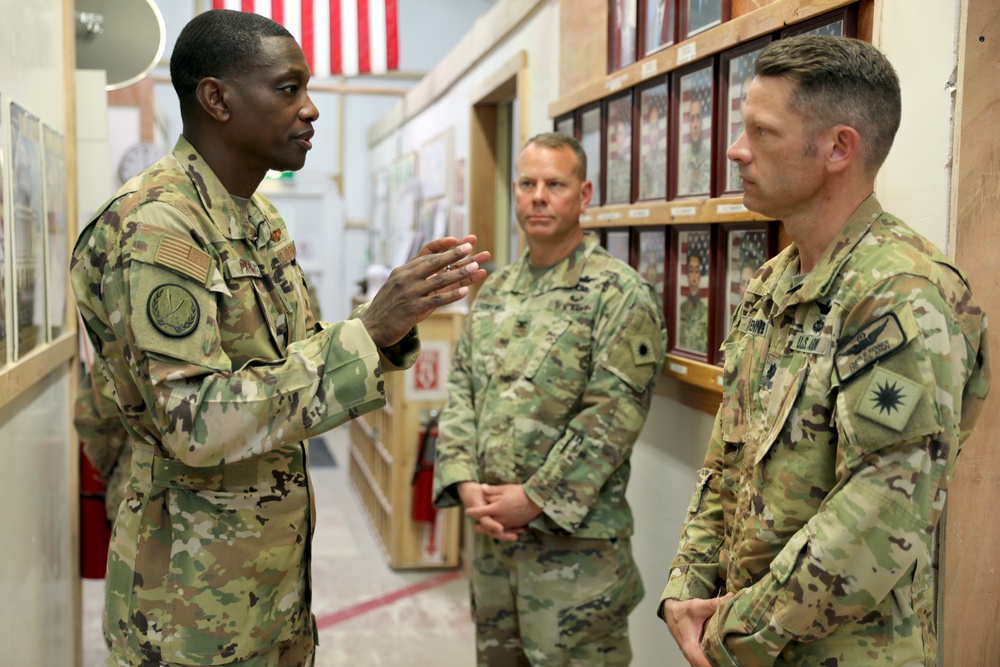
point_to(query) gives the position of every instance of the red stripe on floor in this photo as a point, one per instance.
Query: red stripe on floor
(371, 605)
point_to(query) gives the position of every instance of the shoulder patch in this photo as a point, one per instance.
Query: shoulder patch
(889, 399)
(877, 340)
(173, 310)
(642, 350)
(183, 257)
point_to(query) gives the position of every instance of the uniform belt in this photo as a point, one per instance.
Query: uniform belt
(171, 473)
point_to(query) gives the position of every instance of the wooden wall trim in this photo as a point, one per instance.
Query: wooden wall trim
(970, 561)
(36, 365)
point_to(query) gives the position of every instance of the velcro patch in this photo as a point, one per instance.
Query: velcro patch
(810, 344)
(889, 399)
(182, 257)
(642, 350)
(875, 341)
(286, 253)
(755, 327)
(173, 311)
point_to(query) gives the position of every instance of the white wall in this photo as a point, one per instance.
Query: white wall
(919, 37)
(37, 530)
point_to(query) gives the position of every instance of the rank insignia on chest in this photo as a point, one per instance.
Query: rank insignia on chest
(889, 399)
(642, 350)
(275, 236)
(173, 311)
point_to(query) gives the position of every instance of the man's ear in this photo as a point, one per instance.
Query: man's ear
(212, 98)
(586, 192)
(844, 148)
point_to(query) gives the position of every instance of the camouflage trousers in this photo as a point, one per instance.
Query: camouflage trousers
(553, 601)
(295, 653)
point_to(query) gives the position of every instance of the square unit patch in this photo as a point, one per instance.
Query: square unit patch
(642, 350)
(889, 399)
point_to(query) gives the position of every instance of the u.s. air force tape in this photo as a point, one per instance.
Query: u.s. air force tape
(173, 310)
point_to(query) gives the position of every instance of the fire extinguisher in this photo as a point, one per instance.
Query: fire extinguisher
(421, 507)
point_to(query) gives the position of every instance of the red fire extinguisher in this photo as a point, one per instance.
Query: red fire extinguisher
(421, 507)
(95, 529)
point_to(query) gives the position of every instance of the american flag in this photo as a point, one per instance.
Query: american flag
(347, 37)
(693, 243)
(696, 86)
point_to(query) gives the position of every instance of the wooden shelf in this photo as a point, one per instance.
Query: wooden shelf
(674, 212)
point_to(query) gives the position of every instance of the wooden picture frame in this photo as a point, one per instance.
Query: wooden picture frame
(659, 25)
(693, 92)
(566, 124)
(618, 149)
(618, 242)
(690, 296)
(696, 16)
(650, 252)
(744, 249)
(653, 108)
(4, 280)
(622, 33)
(842, 22)
(591, 134)
(736, 70)
(56, 239)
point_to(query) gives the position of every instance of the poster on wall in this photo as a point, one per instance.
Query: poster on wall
(425, 380)
(55, 218)
(3, 255)
(28, 285)
(435, 166)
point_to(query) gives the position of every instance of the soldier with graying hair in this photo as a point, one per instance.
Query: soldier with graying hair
(549, 388)
(191, 294)
(855, 369)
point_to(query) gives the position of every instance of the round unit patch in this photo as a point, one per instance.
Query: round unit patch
(173, 311)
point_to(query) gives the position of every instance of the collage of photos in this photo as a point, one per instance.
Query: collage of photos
(700, 273)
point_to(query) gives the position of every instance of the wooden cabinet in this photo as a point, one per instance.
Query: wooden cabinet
(384, 449)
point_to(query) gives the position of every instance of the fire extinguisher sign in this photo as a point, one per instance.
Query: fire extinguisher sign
(425, 381)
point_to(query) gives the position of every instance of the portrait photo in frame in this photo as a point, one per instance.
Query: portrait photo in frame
(622, 33)
(590, 140)
(660, 25)
(693, 136)
(746, 248)
(651, 258)
(617, 241)
(566, 125)
(840, 23)
(618, 149)
(700, 15)
(692, 287)
(653, 107)
(56, 241)
(3, 246)
(737, 73)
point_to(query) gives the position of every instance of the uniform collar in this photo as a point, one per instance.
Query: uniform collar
(564, 274)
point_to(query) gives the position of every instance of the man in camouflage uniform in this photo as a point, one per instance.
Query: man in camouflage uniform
(692, 329)
(191, 294)
(549, 389)
(855, 369)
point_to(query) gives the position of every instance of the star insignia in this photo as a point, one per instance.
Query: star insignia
(888, 397)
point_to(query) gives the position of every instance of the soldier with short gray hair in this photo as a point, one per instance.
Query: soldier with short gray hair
(856, 367)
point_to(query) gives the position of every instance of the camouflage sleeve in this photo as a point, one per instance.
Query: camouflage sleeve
(98, 424)
(455, 457)
(398, 356)
(629, 346)
(694, 572)
(205, 409)
(900, 422)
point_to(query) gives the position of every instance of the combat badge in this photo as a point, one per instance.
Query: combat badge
(875, 341)
(173, 311)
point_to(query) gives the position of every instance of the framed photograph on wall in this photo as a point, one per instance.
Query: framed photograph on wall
(617, 241)
(745, 248)
(3, 252)
(651, 258)
(566, 125)
(660, 25)
(622, 33)
(692, 282)
(618, 149)
(590, 140)
(693, 135)
(653, 106)
(700, 15)
(840, 23)
(56, 241)
(28, 285)
(737, 73)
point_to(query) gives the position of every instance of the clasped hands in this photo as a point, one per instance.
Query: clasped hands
(499, 510)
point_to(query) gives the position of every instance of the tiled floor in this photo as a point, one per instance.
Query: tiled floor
(368, 614)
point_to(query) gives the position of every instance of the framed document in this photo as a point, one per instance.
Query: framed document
(659, 25)
(840, 23)
(590, 140)
(618, 149)
(616, 240)
(693, 135)
(692, 286)
(651, 258)
(700, 15)
(653, 140)
(566, 125)
(737, 73)
(57, 243)
(28, 288)
(622, 15)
